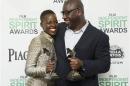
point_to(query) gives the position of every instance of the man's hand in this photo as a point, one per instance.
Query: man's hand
(75, 63)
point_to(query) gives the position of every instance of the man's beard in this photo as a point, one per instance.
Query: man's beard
(72, 26)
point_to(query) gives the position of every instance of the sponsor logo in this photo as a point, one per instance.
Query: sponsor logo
(117, 62)
(113, 80)
(20, 81)
(58, 1)
(16, 55)
(117, 53)
(23, 25)
(113, 23)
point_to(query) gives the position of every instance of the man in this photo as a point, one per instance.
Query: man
(90, 44)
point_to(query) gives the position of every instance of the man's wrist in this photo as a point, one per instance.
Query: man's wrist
(82, 65)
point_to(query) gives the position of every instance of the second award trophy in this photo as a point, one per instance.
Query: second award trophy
(74, 74)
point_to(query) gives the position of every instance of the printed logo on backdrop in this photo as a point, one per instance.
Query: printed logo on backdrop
(20, 81)
(113, 23)
(23, 25)
(116, 53)
(113, 80)
(58, 1)
(15, 55)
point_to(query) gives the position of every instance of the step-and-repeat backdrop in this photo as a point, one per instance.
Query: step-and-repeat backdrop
(20, 23)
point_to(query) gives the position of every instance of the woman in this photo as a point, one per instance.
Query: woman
(41, 49)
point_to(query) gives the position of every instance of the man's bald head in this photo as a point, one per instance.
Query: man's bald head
(75, 3)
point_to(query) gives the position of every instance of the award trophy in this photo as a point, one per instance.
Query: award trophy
(74, 74)
(52, 57)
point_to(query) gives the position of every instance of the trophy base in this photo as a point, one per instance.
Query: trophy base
(47, 76)
(74, 76)
(52, 76)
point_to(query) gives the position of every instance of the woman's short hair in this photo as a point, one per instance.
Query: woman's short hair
(44, 13)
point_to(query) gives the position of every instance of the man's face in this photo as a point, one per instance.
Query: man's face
(70, 15)
(49, 24)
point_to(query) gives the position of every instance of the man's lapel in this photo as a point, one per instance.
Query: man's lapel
(84, 37)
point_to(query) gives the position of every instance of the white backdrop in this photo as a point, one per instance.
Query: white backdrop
(20, 23)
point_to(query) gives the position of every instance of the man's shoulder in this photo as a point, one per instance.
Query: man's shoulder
(96, 31)
(62, 25)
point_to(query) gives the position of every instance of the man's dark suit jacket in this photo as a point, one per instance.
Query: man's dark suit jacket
(92, 49)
